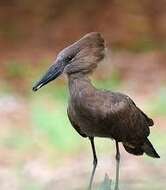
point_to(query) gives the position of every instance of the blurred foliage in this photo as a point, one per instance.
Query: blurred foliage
(113, 82)
(28, 32)
(123, 23)
(159, 103)
(14, 69)
(54, 126)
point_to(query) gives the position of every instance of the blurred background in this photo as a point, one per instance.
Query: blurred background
(39, 150)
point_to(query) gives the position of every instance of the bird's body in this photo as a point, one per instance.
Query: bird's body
(99, 113)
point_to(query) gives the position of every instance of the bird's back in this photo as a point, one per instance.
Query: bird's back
(110, 114)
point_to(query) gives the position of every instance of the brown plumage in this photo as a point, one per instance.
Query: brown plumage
(99, 113)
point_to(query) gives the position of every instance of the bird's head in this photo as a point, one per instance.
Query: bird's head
(82, 56)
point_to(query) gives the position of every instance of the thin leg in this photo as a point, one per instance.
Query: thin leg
(117, 166)
(94, 162)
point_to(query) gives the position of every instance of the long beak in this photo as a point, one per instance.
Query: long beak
(53, 72)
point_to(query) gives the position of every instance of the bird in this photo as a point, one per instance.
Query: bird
(99, 113)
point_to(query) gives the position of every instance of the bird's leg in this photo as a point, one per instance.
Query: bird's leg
(94, 162)
(117, 166)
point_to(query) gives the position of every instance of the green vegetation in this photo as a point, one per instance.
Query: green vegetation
(15, 69)
(51, 123)
(139, 45)
(110, 83)
(159, 103)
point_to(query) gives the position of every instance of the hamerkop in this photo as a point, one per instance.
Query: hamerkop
(99, 113)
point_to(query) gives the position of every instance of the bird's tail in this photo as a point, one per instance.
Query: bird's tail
(149, 149)
(146, 148)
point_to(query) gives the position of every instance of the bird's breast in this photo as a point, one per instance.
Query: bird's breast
(89, 120)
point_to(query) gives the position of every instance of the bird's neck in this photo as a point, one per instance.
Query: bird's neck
(80, 84)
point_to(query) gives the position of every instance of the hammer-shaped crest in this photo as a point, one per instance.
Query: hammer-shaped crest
(85, 53)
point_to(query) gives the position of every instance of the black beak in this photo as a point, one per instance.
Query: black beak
(53, 72)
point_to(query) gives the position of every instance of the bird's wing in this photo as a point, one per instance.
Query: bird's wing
(148, 120)
(127, 120)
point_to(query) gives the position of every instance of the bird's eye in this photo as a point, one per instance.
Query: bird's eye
(69, 58)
